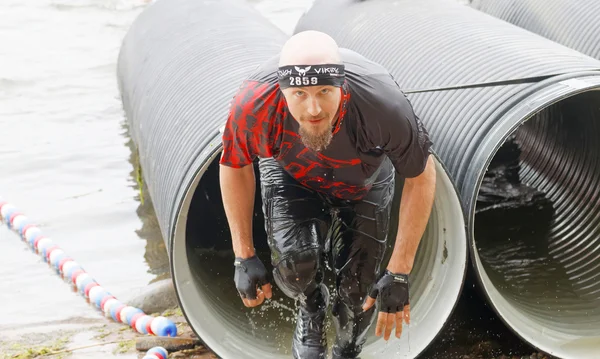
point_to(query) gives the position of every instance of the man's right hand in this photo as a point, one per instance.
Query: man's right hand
(251, 281)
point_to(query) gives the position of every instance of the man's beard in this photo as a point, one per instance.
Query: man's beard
(316, 141)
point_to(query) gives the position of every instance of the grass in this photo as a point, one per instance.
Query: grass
(124, 346)
(102, 333)
(172, 312)
(20, 351)
(138, 177)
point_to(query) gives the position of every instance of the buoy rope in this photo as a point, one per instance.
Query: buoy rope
(73, 273)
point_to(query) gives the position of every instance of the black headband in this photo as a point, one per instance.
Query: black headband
(310, 75)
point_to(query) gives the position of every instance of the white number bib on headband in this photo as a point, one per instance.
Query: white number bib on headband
(303, 81)
(310, 75)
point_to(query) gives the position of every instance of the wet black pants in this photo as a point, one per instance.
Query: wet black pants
(308, 231)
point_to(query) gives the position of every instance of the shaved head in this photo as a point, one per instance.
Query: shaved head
(309, 48)
(313, 98)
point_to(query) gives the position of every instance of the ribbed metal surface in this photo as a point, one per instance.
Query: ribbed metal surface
(560, 158)
(550, 269)
(178, 69)
(575, 24)
(431, 44)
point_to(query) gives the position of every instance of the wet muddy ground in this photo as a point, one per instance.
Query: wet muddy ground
(473, 332)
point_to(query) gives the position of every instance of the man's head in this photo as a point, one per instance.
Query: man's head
(310, 76)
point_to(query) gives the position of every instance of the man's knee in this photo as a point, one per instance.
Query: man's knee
(300, 273)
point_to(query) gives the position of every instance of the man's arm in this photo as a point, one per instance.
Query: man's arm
(242, 135)
(238, 191)
(415, 208)
(406, 142)
(244, 139)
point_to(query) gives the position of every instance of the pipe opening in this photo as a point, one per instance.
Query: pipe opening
(202, 262)
(537, 226)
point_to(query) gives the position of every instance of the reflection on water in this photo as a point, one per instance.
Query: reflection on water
(513, 244)
(516, 256)
(156, 252)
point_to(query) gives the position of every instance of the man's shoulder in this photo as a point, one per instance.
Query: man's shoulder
(372, 85)
(257, 100)
(358, 64)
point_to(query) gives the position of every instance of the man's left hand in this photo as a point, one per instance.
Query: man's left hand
(391, 294)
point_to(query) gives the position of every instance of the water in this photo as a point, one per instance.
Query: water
(63, 155)
(66, 160)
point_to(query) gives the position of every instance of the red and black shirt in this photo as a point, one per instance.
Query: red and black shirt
(375, 120)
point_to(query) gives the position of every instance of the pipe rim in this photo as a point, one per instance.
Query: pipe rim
(551, 91)
(454, 275)
(214, 146)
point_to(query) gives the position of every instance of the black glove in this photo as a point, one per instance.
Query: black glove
(249, 273)
(391, 292)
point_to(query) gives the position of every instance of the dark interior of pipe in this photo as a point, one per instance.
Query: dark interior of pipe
(211, 256)
(537, 225)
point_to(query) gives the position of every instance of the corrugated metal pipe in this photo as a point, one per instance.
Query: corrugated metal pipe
(516, 119)
(179, 66)
(575, 24)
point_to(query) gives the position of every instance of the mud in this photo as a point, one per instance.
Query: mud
(100, 338)
(473, 332)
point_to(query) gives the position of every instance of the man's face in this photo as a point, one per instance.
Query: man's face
(315, 109)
